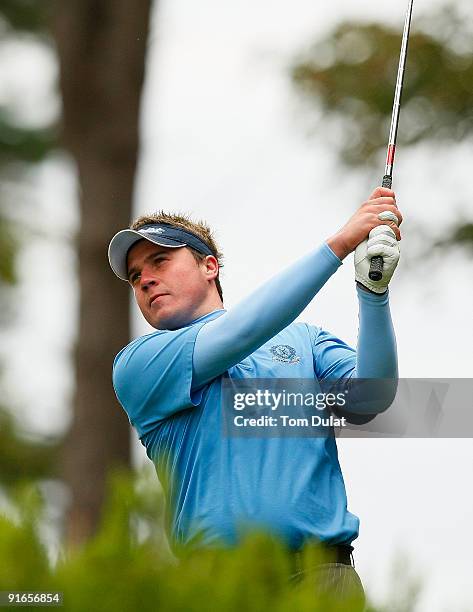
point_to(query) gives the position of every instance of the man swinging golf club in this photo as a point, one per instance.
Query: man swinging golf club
(169, 381)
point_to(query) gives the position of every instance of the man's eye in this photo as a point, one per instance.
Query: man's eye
(158, 260)
(134, 278)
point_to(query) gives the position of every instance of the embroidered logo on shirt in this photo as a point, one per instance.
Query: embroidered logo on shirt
(284, 353)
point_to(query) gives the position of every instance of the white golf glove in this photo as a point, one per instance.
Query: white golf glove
(381, 241)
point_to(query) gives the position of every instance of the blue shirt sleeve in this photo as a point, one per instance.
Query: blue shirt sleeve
(333, 358)
(225, 341)
(152, 376)
(374, 358)
(376, 351)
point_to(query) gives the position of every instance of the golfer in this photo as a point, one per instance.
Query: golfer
(169, 381)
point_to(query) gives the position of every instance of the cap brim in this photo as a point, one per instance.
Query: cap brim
(122, 242)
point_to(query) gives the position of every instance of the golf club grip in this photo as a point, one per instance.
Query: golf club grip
(376, 265)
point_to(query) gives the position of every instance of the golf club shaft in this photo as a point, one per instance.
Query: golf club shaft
(376, 266)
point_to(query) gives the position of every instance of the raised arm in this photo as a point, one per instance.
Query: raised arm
(376, 348)
(225, 341)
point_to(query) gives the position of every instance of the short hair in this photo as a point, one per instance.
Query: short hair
(198, 228)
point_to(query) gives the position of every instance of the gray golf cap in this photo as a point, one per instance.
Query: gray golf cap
(159, 233)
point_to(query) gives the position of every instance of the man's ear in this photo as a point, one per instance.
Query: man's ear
(211, 267)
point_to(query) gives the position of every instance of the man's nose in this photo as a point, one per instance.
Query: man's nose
(148, 279)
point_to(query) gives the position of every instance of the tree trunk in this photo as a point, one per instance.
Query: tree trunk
(102, 47)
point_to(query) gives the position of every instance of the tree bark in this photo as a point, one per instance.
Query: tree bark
(102, 48)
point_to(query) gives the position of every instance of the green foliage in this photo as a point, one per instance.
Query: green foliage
(19, 144)
(350, 76)
(352, 72)
(23, 559)
(25, 15)
(23, 459)
(7, 253)
(461, 235)
(118, 570)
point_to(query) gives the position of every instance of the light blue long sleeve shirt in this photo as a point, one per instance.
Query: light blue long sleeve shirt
(217, 487)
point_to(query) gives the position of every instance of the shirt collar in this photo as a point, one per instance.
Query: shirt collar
(210, 315)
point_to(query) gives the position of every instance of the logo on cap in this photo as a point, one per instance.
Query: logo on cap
(152, 230)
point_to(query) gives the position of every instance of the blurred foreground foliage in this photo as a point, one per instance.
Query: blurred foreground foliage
(127, 565)
(349, 77)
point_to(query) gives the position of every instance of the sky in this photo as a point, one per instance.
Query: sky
(224, 137)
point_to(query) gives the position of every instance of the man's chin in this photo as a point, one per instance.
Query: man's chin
(162, 325)
(168, 323)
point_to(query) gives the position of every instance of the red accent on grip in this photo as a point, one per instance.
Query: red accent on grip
(391, 153)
